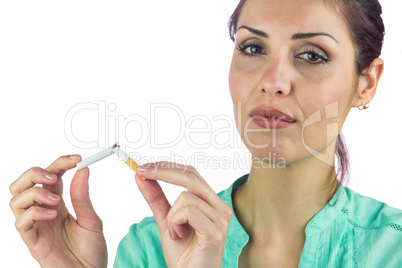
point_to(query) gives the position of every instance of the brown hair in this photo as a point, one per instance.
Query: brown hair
(363, 18)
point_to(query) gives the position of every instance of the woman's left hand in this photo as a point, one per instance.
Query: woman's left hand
(193, 230)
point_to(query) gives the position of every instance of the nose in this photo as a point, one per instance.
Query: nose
(275, 80)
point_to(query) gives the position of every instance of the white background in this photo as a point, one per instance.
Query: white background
(129, 55)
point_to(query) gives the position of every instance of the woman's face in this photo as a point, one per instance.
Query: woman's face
(292, 78)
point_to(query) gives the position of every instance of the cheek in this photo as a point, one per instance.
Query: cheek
(235, 92)
(244, 75)
(233, 82)
(242, 90)
(325, 108)
(240, 84)
(323, 87)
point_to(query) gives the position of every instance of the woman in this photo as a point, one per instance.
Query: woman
(298, 68)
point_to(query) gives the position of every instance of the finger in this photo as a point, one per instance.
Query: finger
(48, 176)
(79, 191)
(25, 223)
(20, 203)
(31, 177)
(205, 229)
(184, 176)
(59, 167)
(174, 173)
(156, 200)
(186, 200)
(63, 163)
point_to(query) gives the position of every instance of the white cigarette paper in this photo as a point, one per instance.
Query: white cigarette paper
(95, 158)
(105, 153)
(121, 154)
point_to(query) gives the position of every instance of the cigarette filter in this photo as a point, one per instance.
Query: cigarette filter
(123, 156)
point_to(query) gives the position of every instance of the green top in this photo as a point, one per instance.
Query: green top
(350, 231)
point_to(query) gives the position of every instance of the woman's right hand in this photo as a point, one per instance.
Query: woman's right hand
(53, 236)
(193, 230)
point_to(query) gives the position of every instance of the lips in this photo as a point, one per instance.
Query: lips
(271, 118)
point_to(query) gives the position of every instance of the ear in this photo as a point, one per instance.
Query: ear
(368, 82)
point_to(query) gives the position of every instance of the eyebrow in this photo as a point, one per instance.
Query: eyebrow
(309, 35)
(296, 36)
(254, 31)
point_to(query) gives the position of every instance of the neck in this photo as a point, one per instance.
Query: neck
(276, 204)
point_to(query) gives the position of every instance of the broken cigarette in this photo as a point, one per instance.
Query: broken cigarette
(123, 156)
(105, 153)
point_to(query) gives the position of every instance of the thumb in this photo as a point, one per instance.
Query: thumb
(156, 200)
(79, 191)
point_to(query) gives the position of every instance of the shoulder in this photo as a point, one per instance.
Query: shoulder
(376, 231)
(141, 247)
(226, 195)
(370, 213)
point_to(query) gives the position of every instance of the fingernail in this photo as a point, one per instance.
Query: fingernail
(50, 211)
(53, 196)
(49, 176)
(142, 168)
(73, 156)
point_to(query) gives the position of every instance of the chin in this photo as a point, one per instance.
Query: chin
(278, 158)
(269, 158)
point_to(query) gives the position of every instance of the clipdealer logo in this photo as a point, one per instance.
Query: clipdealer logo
(218, 132)
(112, 127)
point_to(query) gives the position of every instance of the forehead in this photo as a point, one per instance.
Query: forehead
(290, 16)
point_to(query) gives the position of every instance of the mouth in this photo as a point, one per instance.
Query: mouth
(271, 118)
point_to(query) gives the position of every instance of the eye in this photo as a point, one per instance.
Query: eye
(251, 49)
(313, 57)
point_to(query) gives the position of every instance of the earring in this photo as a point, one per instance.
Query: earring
(363, 107)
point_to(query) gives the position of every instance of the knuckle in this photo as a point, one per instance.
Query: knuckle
(218, 234)
(37, 191)
(61, 158)
(18, 224)
(34, 171)
(192, 182)
(159, 167)
(190, 169)
(224, 223)
(227, 212)
(184, 197)
(12, 189)
(192, 175)
(59, 162)
(31, 210)
(12, 203)
(163, 164)
(189, 209)
(29, 214)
